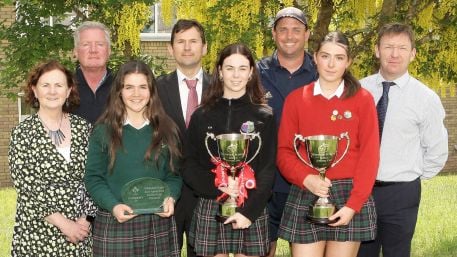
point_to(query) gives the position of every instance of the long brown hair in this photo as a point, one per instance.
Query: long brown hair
(253, 88)
(351, 84)
(165, 131)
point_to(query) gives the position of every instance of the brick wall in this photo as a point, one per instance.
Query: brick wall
(8, 119)
(450, 104)
(158, 48)
(8, 111)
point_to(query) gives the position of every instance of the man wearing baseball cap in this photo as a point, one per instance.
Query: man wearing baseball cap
(289, 67)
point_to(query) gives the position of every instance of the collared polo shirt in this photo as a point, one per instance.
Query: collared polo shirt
(279, 82)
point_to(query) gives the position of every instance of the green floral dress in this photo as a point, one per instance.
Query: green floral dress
(46, 183)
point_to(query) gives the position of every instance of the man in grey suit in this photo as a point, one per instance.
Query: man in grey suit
(180, 92)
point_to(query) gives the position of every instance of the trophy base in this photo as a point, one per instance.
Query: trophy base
(320, 213)
(221, 218)
(323, 221)
(226, 210)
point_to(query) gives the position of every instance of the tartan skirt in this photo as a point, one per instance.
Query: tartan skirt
(295, 228)
(210, 237)
(144, 235)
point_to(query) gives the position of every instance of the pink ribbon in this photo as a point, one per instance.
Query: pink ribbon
(246, 178)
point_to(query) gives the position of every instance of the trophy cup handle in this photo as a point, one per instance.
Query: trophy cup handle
(300, 137)
(252, 136)
(209, 135)
(343, 135)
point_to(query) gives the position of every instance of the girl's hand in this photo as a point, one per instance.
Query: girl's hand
(344, 214)
(233, 187)
(168, 207)
(123, 213)
(239, 221)
(317, 186)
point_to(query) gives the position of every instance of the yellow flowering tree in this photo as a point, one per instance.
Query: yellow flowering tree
(434, 22)
(229, 21)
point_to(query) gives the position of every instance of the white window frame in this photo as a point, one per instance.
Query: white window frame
(22, 107)
(156, 36)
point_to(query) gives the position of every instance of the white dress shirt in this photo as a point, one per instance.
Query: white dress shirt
(414, 140)
(184, 90)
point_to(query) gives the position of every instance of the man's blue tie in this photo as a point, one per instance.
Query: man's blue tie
(382, 105)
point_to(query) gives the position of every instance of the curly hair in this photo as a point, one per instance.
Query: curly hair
(42, 68)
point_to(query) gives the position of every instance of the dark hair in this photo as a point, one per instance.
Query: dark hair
(216, 89)
(351, 84)
(396, 28)
(36, 73)
(183, 25)
(165, 131)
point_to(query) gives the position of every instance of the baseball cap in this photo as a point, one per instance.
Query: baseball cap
(291, 12)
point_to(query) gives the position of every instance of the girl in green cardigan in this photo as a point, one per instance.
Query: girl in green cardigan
(134, 138)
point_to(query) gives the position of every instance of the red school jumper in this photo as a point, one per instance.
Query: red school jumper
(309, 115)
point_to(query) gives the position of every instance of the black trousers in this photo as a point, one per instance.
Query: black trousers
(397, 206)
(183, 216)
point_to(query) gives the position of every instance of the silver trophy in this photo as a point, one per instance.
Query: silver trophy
(321, 151)
(233, 150)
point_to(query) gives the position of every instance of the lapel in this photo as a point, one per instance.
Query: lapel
(174, 99)
(172, 104)
(206, 81)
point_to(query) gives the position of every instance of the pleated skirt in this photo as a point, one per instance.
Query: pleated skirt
(210, 237)
(144, 235)
(296, 228)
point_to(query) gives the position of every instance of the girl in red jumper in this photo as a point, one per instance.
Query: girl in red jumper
(332, 105)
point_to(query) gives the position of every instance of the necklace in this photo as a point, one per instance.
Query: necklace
(57, 136)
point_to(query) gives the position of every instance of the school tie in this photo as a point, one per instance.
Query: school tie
(192, 98)
(382, 105)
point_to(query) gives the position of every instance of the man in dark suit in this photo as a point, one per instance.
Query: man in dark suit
(180, 92)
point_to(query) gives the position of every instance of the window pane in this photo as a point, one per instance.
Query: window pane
(156, 24)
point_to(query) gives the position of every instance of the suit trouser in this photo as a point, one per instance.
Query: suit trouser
(183, 216)
(397, 206)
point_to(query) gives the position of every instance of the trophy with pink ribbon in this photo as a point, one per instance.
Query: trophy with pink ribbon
(233, 152)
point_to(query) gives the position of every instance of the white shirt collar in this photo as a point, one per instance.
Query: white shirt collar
(182, 77)
(338, 92)
(400, 81)
(128, 122)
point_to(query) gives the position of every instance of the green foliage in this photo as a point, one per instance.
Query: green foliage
(32, 39)
(29, 45)
(434, 22)
(156, 63)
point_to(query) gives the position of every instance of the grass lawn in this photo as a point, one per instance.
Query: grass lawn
(436, 230)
